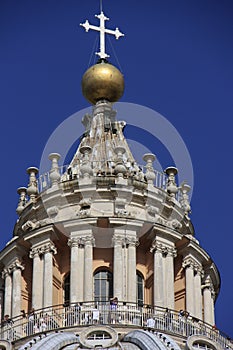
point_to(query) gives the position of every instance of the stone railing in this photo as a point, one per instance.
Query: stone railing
(102, 313)
(66, 174)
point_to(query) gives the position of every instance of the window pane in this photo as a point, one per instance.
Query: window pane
(140, 289)
(103, 285)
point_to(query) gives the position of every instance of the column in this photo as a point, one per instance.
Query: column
(1, 301)
(158, 275)
(208, 296)
(169, 276)
(16, 287)
(118, 267)
(76, 269)
(131, 270)
(189, 285)
(8, 291)
(48, 249)
(198, 294)
(37, 278)
(88, 268)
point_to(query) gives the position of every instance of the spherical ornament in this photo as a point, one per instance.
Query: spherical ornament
(102, 81)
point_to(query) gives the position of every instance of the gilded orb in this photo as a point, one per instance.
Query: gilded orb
(102, 81)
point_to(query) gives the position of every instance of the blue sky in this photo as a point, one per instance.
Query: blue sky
(177, 58)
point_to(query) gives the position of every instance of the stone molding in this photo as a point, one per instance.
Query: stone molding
(52, 211)
(41, 250)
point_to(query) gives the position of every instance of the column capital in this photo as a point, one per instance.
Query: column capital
(88, 240)
(118, 240)
(199, 270)
(43, 249)
(208, 284)
(132, 241)
(196, 267)
(8, 270)
(164, 249)
(188, 262)
(76, 242)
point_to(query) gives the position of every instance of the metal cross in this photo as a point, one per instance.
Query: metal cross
(103, 31)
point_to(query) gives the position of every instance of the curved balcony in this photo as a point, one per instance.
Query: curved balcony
(123, 314)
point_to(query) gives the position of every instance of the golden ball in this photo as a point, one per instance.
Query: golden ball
(102, 81)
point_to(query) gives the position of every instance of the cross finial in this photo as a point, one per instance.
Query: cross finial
(102, 54)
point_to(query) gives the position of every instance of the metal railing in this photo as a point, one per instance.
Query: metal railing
(103, 313)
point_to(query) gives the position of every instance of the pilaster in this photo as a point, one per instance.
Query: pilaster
(208, 296)
(118, 276)
(48, 250)
(6, 274)
(88, 267)
(17, 268)
(42, 281)
(76, 245)
(131, 242)
(198, 273)
(158, 274)
(188, 265)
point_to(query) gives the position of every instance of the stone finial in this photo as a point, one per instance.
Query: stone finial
(22, 191)
(32, 189)
(172, 188)
(149, 158)
(185, 188)
(85, 168)
(120, 168)
(54, 174)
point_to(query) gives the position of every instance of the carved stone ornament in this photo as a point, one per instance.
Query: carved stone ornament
(149, 158)
(83, 213)
(52, 211)
(122, 213)
(152, 210)
(174, 223)
(30, 225)
(185, 204)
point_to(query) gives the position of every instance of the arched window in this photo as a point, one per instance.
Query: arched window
(103, 286)
(140, 289)
(67, 288)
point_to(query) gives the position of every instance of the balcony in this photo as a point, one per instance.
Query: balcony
(155, 319)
